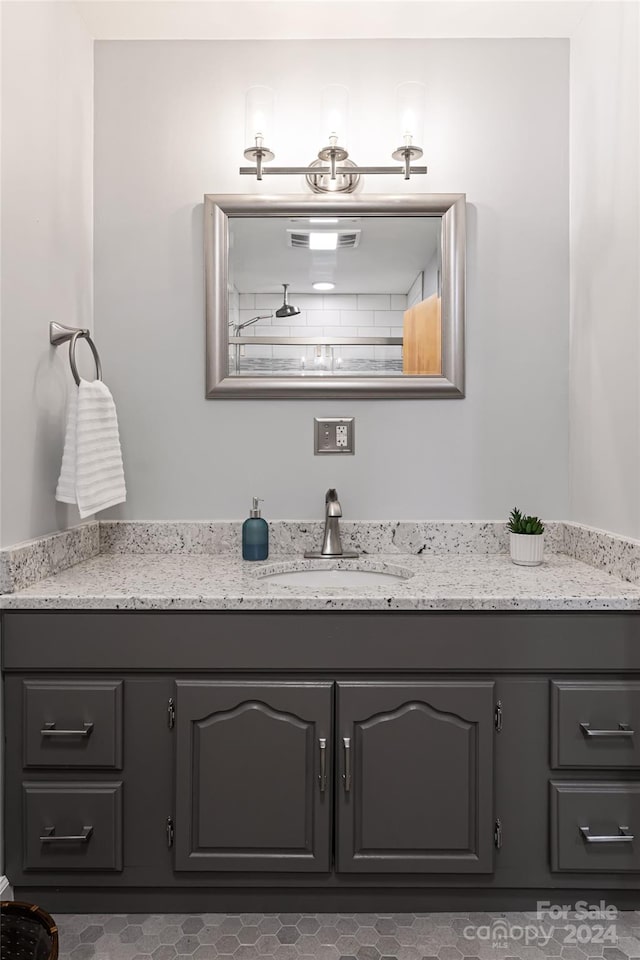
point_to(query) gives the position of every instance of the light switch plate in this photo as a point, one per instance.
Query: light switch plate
(334, 435)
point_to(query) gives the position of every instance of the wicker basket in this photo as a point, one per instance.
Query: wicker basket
(26, 932)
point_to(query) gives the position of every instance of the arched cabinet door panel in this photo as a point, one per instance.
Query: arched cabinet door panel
(415, 774)
(250, 793)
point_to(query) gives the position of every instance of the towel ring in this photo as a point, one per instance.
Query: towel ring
(82, 335)
(60, 334)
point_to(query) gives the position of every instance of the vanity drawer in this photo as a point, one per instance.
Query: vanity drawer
(70, 723)
(595, 826)
(72, 826)
(595, 724)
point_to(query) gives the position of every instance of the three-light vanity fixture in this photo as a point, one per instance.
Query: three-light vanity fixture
(333, 171)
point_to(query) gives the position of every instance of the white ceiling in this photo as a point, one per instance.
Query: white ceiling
(391, 253)
(328, 19)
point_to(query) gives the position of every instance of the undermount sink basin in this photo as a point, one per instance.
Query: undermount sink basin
(334, 578)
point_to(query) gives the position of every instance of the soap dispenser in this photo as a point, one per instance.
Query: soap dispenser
(255, 535)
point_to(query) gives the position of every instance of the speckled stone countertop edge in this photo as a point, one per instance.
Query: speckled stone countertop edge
(223, 582)
(320, 605)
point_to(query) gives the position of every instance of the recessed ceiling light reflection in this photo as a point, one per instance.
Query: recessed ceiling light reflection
(324, 220)
(324, 240)
(323, 285)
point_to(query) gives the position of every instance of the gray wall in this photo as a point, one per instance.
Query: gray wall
(605, 268)
(47, 140)
(170, 126)
(46, 63)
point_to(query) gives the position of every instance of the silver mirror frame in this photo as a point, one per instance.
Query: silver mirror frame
(221, 386)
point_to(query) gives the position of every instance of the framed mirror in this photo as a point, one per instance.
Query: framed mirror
(335, 296)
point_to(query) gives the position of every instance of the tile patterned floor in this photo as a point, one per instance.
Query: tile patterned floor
(426, 936)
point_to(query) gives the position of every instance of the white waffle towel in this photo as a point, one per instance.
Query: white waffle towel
(91, 474)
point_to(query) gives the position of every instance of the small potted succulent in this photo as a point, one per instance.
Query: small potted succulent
(526, 536)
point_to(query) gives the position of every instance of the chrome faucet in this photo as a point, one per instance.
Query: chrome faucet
(331, 542)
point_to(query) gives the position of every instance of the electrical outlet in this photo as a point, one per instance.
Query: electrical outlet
(342, 435)
(334, 434)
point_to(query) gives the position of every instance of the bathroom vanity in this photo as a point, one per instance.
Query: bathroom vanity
(164, 759)
(186, 731)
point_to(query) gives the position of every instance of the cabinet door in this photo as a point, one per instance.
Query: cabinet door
(253, 776)
(415, 777)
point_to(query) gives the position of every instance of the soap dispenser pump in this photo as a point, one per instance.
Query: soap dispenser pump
(255, 534)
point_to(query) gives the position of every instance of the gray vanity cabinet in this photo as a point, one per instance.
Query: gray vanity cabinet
(292, 760)
(253, 779)
(416, 777)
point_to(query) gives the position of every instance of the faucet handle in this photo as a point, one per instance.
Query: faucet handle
(332, 503)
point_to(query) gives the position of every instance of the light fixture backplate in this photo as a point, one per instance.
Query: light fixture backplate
(322, 182)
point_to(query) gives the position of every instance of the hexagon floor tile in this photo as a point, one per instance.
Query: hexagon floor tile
(407, 936)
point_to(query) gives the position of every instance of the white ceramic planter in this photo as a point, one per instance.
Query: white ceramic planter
(527, 549)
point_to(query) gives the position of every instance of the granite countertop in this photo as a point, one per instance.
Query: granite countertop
(225, 582)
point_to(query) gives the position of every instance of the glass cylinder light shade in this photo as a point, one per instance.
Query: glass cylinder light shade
(334, 115)
(259, 116)
(410, 111)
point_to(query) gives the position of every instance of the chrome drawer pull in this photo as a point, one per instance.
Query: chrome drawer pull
(50, 836)
(622, 731)
(346, 776)
(50, 731)
(323, 764)
(623, 836)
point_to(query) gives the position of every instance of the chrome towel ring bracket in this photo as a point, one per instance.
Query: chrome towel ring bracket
(59, 334)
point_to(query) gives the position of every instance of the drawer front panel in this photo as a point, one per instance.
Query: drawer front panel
(595, 826)
(73, 723)
(595, 724)
(72, 826)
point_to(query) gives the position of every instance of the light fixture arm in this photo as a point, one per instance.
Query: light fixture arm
(406, 154)
(326, 171)
(348, 172)
(259, 154)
